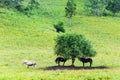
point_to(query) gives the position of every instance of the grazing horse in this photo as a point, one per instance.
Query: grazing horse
(30, 63)
(60, 59)
(86, 60)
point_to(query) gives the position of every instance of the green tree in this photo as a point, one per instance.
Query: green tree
(70, 11)
(113, 6)
(97, 7)
(73, 46)
(10, 3)
(93, 6)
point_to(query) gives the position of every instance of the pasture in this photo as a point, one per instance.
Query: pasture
(32, 38)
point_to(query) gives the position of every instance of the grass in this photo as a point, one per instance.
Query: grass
(32, 38)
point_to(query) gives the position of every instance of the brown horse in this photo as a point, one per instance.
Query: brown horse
(86, 60)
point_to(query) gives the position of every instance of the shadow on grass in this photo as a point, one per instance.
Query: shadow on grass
(73, 68)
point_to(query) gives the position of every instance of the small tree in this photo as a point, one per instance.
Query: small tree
(73, 46)
(70, 11)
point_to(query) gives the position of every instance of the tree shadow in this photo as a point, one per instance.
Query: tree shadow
(73, 68)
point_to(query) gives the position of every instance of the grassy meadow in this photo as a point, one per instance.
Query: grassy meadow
(33, 38)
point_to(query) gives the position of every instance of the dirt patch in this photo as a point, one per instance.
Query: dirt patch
(73, 68)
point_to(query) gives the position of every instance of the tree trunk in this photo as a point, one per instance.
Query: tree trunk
(73, 60)
(70, 21)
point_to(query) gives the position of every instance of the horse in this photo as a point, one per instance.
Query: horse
(30, 63)
(60, 59)
(86, 60)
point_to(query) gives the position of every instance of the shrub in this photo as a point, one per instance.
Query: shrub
(59, 27)
(10, 3)
(17, 4)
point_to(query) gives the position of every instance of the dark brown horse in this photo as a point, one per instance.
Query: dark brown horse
(60, 59)
(86, 60)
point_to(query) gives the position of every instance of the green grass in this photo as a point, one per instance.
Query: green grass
(32, 38)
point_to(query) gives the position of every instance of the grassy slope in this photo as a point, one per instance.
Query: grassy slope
(32, 38)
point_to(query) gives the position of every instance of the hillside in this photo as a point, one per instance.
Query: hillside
(32, 38)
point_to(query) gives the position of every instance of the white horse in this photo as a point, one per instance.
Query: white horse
(29, 63)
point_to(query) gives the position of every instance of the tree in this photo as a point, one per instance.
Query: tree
(70, 11)
(97, 7)
(10, 3)
(93, 6)
(113, 6)
(73, 46)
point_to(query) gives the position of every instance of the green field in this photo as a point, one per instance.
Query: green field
(33, 38)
